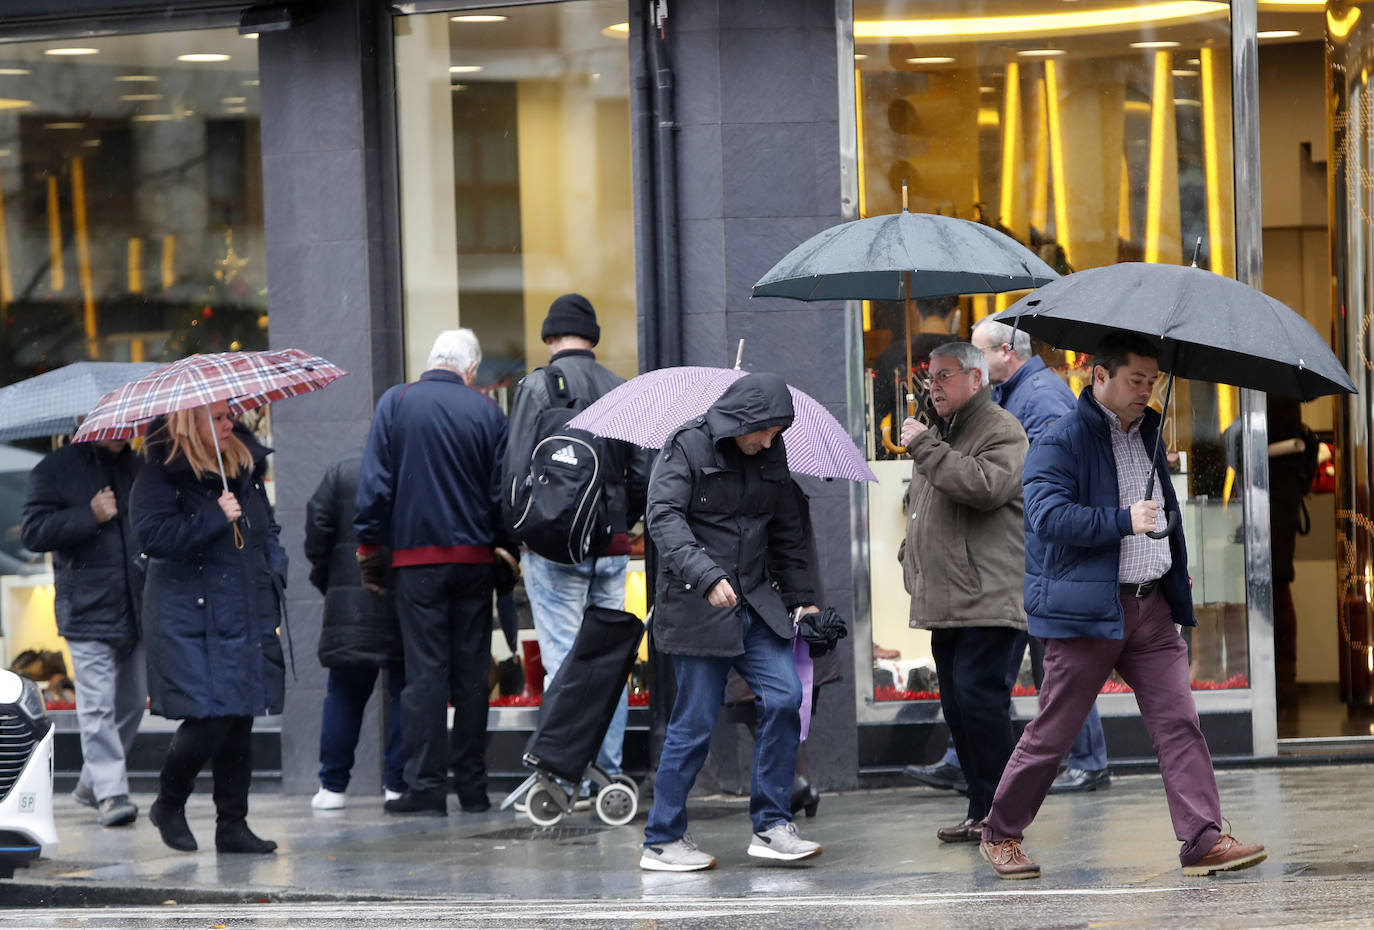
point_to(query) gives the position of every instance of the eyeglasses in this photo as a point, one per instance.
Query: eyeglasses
(941, 377)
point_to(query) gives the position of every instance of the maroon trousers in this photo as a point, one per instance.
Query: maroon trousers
(1153, 659)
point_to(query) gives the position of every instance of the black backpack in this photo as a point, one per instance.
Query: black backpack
(559, 510)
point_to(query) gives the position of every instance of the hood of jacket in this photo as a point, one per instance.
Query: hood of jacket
(754, 402)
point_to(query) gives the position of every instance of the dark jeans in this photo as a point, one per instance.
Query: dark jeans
(768, 668)
(971, 663)
(227, 744)
(445, 614)
(345, 700)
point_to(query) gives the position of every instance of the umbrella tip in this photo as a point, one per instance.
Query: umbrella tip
(739, 355)
(904, 203)
(1197, 249)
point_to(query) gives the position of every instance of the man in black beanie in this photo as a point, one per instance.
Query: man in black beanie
(560, 593)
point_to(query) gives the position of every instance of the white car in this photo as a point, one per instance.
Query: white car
(26, 735)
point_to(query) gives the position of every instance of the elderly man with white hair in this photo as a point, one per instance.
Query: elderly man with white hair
(429, 525)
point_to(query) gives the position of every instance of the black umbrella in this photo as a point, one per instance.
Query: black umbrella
(1208, 328)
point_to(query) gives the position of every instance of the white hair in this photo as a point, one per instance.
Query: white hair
(1002, 334)
(967, 355)
(455, 349)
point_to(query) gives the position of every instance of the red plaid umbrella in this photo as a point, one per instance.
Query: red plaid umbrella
(245, 380)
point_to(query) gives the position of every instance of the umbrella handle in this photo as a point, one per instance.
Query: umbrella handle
(1169, 526)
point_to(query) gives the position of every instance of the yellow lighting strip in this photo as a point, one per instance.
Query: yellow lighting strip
(1159, 111)
(83, 255)
(1040, 178)
(1123, 204)
(1011, 132)
(135, 262)
(1085, 21)
(1219, 244)
(1061, 183)
(169, 261)
(57, 274)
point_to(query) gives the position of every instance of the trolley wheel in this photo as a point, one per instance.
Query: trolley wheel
(616, 804)
(621, 778)
(543, 808)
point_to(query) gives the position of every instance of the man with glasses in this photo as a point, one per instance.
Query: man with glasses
(964, 560)
(1027, 389)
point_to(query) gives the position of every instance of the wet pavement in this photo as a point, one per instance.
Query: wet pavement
(1107, 857)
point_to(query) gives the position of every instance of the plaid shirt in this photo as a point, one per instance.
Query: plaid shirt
(1142, 558)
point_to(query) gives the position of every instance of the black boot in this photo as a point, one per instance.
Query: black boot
(805, 796)
(433, 803)
(235, 837)
(171, 823)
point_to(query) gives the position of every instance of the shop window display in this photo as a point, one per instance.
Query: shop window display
(1092, 136)
(131, 229)
(514, 127)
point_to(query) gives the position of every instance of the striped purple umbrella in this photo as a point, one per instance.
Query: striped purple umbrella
(648, 409)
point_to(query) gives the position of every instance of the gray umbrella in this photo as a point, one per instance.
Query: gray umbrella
(49, 404)
(1208, 327)
(875, 258)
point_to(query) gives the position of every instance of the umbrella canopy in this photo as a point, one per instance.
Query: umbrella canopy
(246, 380)
(647, 410)
(50, 404)
(1208, 327)
(871, 259)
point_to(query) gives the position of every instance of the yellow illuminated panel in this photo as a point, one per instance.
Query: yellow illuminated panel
(83, 256)
(1044, 24)
(1061, 184)
(58, 275)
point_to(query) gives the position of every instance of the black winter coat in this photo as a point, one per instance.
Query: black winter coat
(359, 627)
(716, 513)
(210, 609)
(96, 566)
(626, 483)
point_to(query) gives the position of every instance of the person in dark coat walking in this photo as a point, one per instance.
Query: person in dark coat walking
(429, 523)
(732, 565)
(1103, 595)
(78, 509)
(359, 635)
(211, 607)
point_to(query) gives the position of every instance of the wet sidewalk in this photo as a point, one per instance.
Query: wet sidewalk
(1313, 820)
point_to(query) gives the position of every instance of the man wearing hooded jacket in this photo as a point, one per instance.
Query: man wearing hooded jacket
(733, 563)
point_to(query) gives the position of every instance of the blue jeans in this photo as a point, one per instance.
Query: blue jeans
(345, 700)
(558, 595)
(768, 668)
(1089, 750)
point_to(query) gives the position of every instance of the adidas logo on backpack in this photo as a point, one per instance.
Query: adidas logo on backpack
(567, 455)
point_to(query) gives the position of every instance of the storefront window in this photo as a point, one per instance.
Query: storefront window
(1092, 136)
(516, 188)
(131, 229)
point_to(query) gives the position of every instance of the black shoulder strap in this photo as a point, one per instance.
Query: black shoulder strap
(560, 395)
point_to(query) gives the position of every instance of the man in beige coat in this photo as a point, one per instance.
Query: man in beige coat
(964, 558)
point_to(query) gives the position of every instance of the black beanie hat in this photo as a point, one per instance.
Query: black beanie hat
(571, 315)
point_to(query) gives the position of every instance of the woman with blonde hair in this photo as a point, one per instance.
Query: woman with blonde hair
(216, 577)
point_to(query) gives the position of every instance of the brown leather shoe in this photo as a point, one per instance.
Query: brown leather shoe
(1007, 859)
(1227, 855)
(967, 830)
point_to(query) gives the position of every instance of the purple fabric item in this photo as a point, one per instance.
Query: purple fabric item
(1153, 659)
(801, 654)
(647, 410)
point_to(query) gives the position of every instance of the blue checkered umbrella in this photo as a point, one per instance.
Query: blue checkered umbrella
(50, 404)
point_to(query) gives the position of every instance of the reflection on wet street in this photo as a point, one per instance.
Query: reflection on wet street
(1108, 858)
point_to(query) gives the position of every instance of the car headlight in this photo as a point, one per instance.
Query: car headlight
(31, 702)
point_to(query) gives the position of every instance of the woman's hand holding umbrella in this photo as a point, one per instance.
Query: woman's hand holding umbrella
(230, 505)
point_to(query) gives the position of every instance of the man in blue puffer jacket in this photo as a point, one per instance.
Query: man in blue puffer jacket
(1103, 595)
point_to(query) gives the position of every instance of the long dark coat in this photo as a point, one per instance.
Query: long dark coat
(359, 628)
(210, 609)
(716, 513)
(97, 569)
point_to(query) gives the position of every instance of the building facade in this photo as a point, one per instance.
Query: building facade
(352, 176)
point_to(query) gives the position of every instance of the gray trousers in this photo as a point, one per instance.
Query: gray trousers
(111, 694)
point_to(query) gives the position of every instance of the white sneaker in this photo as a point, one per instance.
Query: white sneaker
(678, 856)
(326, 800)
(389, 795)
(781, 841)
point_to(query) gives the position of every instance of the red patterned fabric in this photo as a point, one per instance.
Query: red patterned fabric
(246, 380)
